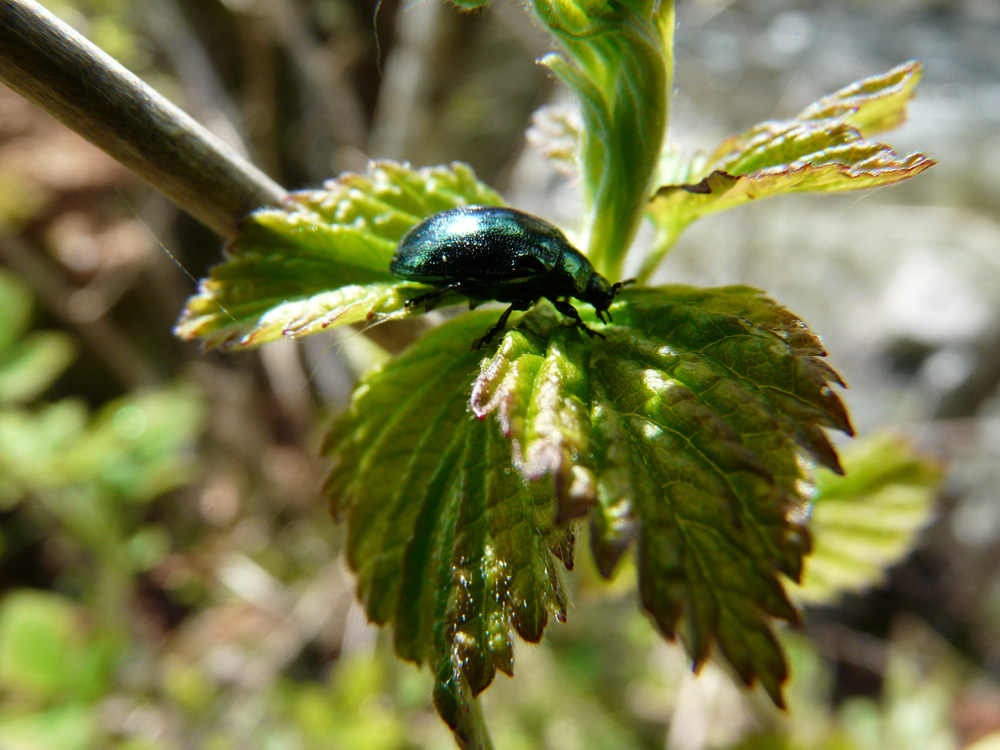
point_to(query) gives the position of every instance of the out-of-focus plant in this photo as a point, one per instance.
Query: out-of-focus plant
(29, 362)
(89, 478)
(679, 433)
(86, 469)
(686, 434)
(867, 519)
(923, 675)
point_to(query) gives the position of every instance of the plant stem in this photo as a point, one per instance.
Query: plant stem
(479, 736)
(51, 65)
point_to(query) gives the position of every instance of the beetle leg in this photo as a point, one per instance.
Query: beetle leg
(521, 304)
(431, 298)
(569, 311)
(434, 298)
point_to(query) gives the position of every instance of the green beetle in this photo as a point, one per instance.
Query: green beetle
(497, 253)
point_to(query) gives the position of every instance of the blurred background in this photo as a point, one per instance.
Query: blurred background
(169, 577)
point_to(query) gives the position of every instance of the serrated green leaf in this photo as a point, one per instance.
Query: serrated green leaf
(868, 519)
(450, 544)
(680, 430)
(824, 149)
(684, 425)
(871, 105)
(323, 259)
(541, 400)
(619, 63)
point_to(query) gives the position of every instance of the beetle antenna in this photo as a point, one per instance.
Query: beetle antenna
(617, 286)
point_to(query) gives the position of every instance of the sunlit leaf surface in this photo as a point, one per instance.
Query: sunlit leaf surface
(678, 434)
(448, 542)
(824, 149)
(323, 260)
(873, 104)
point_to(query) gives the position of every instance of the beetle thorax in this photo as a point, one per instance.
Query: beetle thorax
(575, 272)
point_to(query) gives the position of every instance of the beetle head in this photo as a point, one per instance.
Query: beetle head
(601, 294)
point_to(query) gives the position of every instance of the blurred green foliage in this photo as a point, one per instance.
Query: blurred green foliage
(866, 520)
(87, 477)
(130, 617)
(28, 363)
